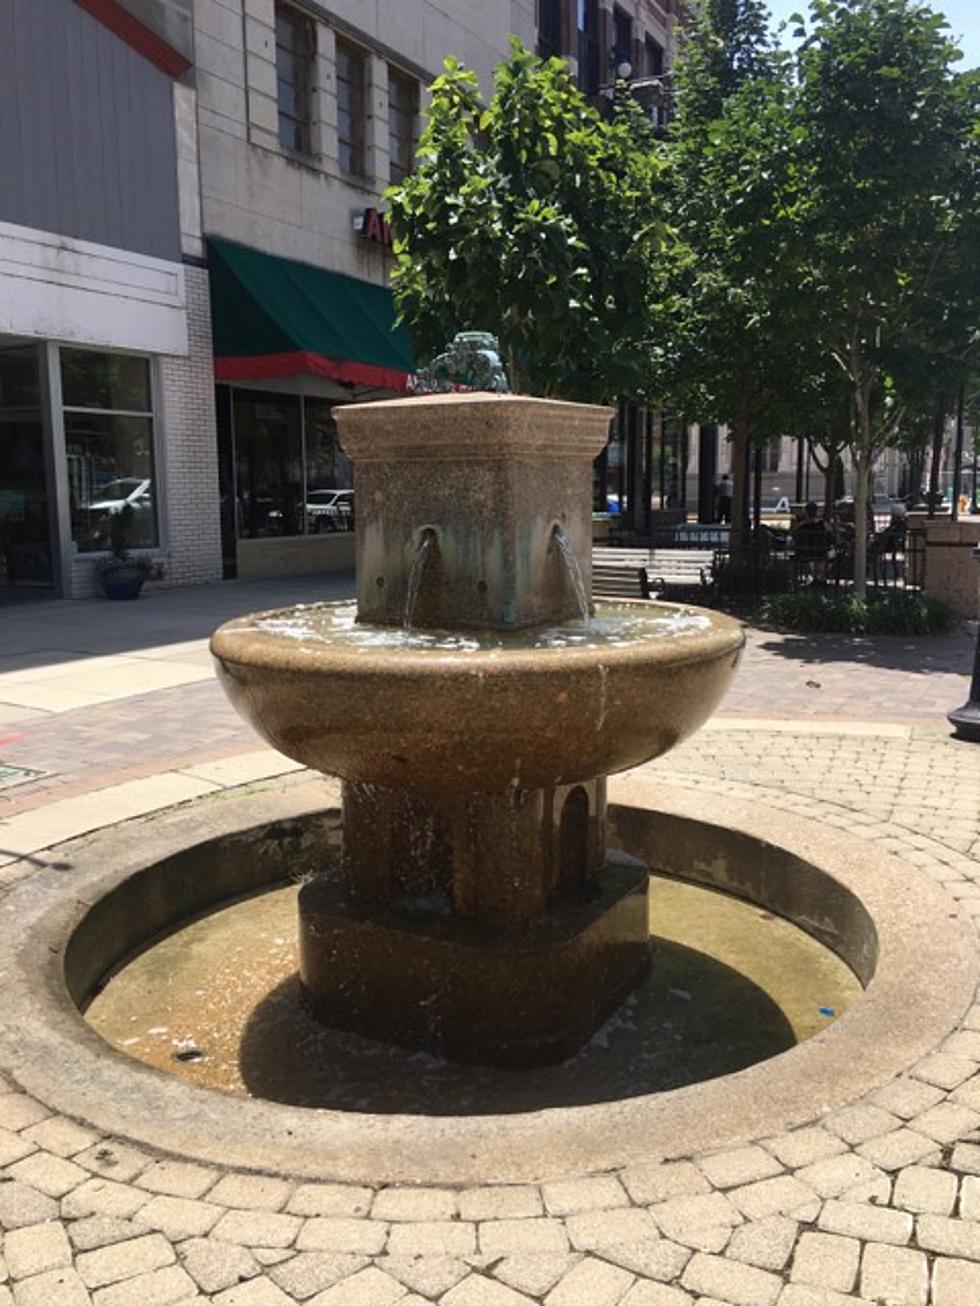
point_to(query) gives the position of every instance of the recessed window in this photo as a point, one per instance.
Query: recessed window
(549, 28)
(295, 50)
(622, 38)
(655, 58)
(351, 108)
(403, 116)
(588, 45)
(109, 446)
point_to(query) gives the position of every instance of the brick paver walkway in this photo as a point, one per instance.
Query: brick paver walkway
(878, 1203)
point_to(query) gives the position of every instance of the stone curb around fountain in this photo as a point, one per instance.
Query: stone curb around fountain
(925, 982)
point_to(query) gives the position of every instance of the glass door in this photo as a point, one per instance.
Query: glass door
(25, 529)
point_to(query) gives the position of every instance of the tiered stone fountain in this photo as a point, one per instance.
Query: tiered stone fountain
(477, 911)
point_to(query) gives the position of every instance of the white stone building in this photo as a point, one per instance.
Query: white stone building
(306, 113)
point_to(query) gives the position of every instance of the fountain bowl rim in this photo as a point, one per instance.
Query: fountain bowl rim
(235, 642)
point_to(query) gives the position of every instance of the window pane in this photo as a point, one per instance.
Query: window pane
(110, 466)
(92, 380)
(549, 27)
(328, 470)
(350, 108)
(295, 45)
(402, 123)
(622, 37)
(269, 465)
(289, 99)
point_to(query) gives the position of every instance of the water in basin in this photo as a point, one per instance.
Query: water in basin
(614, 625)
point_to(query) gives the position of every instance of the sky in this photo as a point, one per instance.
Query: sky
(963, 17)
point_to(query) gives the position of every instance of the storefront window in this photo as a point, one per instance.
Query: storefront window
(109, 446)
(268, 464)
(111, 382)
(329, 478)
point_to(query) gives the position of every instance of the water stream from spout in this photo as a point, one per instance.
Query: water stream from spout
(426, 544)
(574, 572)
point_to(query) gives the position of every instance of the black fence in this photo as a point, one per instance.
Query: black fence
(772, 562)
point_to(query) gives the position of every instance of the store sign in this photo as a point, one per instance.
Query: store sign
(374, 226)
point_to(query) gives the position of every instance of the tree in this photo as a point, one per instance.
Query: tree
(727, 344)
(533, 217)
(882, 130)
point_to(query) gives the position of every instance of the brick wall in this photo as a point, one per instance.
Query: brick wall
(192, 531)
(951, 570)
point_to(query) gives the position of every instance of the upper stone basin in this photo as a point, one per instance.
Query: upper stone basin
(434, 713)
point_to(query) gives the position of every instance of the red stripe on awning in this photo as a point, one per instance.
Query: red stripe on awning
(137, 35)
(299, 362)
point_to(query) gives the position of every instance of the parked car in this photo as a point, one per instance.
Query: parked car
(330, 510)
(114, 495)
(108, 501)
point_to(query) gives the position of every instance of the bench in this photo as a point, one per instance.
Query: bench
(679, 568)
(621, 574)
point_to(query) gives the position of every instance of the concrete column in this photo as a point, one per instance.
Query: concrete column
(260, 73)
(376, 127)
(325, 98)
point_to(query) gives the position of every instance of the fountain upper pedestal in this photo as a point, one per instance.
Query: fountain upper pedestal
(492, 476)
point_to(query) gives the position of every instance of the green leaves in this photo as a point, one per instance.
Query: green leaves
(534, 217)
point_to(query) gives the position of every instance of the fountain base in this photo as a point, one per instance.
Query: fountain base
(470, 990)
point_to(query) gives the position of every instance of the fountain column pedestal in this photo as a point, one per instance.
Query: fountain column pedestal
(491, 927)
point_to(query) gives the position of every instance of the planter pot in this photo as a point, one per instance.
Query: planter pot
(123, 582)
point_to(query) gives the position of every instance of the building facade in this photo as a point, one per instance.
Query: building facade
(306, 114)
(106, 398)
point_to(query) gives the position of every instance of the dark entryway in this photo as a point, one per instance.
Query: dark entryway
(25, 528)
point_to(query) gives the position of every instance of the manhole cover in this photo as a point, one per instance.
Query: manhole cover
(17, 775)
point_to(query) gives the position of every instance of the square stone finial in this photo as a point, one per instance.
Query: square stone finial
(488, 479)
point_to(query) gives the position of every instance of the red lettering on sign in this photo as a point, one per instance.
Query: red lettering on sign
(376, 227)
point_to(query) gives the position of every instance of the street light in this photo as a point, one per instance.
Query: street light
(966, 719)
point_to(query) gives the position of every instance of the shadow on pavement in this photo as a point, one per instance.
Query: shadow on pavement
(920, 655)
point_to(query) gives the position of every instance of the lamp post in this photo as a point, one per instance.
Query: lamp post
(966, 719)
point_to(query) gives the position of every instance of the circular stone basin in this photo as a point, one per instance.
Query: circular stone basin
(433, 712)
(106, 898)
(218, 1003)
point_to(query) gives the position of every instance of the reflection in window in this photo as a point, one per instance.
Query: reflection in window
(351, 108)
(109, 447)
(268, 464)
(289, 475)
(295, 45)
(403, 112)
(113, 382)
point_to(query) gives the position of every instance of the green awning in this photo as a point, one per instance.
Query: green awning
(278, 317)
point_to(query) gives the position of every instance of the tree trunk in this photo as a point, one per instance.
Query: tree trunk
(938, 434)
(738, 539)
(863, 463)
(830, 488)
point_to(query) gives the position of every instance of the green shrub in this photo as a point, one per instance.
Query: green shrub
(901, 612)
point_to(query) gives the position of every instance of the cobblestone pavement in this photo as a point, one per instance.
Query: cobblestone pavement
(877, 1203)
